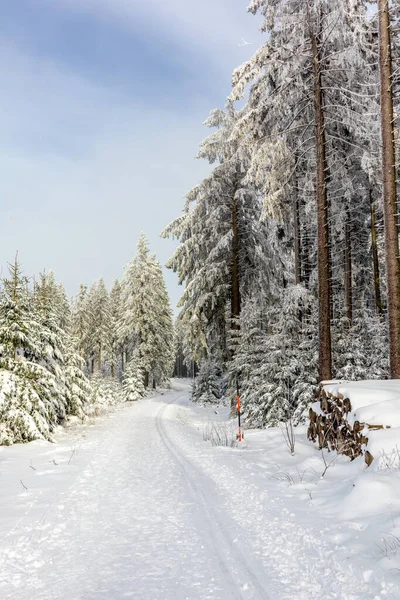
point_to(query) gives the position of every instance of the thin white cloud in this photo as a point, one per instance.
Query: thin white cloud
(83, 167)
(214, 28)
(81, 211)
(48, 105)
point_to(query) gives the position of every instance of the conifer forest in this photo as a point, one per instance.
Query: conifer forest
(243, 444)
(288, 251)
(61, 359)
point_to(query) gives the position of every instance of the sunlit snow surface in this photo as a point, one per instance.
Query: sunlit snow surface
(140, 506)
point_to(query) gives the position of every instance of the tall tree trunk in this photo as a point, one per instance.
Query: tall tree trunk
(348, 270)
(297, 238)
(297, 243)
(375, 259)
(235, 297)
(235, 302)
(306, 258)
(389, 188)
(99, 361)
(324, 291)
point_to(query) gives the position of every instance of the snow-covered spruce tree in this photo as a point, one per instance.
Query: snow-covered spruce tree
(207, 385)
(162, 364)
(276, 361)
(80, 320)
(78, 390)
(147, 326)
(53, 314)
(52, 337)
(18, 328)
(223, 251)
(29, 407)
(59, 350)
(133, 382)
(99, 324)
(106, 392)
(42, 381)
(299, 116)
(115, 345)
(184, 367)
(362, 347)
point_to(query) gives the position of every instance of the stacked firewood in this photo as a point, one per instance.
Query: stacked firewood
(329, 426)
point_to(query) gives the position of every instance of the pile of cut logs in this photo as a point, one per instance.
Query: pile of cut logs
(330, 427)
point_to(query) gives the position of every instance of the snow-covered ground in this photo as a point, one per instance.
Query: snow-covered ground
(140, 506)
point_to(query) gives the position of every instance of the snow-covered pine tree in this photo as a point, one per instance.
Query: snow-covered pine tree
(162, 364)
(78, 390)
(147, 326)
(207, 386)
(116, 314)
(59, 350)
(48, 308)
(299, 116)
(362, 347)
(18, 327)
(80, 320)
(53, 314)
(99, 326)
(133, 382)
(183, 365)
(276, 361)
(224, 249)
(29, 407)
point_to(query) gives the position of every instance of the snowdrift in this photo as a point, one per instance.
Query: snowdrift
(359, 418)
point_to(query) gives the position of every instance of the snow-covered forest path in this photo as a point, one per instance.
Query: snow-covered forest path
(139, 506)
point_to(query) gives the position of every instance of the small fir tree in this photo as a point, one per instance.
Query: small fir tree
(207, 386)
(133, 383)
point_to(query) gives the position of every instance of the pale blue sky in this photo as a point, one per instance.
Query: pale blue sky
(101, 114)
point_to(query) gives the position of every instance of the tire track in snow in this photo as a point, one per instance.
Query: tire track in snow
(191, 473)
(299, 561)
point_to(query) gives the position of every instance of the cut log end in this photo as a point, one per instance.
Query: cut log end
(368, 458)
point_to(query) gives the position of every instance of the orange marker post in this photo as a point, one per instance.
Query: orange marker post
(239, 435)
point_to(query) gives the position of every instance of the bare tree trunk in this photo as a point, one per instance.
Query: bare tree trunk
(375, 259)
(389, 188)
(348, 270)
(306, 259)
(235, 302)
(324, 291)
(235, 298)
(297, 238)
